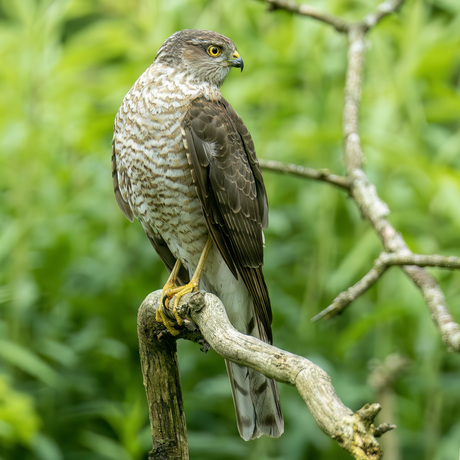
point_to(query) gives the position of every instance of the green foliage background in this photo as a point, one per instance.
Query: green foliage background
(73, 270)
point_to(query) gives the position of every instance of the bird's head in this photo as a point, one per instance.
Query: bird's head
(201, 54)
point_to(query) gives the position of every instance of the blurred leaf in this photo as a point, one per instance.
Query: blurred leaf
(30, 363)
(107, 448)
(19, 421)
(45, 448)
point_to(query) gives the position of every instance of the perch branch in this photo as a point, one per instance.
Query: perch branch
(354, 431)
(162, 384)
(161, 377)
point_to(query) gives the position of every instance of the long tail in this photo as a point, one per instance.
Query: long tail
(256, 402)
(255, 396)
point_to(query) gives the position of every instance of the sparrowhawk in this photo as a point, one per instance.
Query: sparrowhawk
(185, 166)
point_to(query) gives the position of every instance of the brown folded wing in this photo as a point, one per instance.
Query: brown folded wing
(229, 183)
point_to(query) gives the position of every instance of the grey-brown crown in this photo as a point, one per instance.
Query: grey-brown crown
(202, 54)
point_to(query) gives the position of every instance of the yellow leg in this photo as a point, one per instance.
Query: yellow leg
(164, 301)
(169, 291)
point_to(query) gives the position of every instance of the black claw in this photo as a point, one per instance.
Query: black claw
(164, 307)
(163, 301)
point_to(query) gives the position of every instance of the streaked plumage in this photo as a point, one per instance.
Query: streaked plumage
(184, 164)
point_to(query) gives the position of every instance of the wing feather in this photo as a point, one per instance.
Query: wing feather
(117, 187)
(229, 183)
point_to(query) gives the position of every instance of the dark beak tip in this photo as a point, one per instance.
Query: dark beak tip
(238, 62)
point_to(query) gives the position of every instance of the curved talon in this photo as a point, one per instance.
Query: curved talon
(165, 303)
(162, 318)
(168, 293)
(161, 315)
(190, 287)
(177, 293)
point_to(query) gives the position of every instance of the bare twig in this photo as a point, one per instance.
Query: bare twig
(364, 192)
(323, 175)
(381, 264)
(384, 9)
(352, 144)
(306, 10)
(421, 260)
(352, 293)
(436, 303)
(372, 208)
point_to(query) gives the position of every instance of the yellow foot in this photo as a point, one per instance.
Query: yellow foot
(170, 292)
(161, 316)
(166, 296)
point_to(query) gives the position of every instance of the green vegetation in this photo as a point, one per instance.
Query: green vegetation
(73, 270)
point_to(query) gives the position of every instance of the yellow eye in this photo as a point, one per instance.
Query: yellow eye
(213, 50)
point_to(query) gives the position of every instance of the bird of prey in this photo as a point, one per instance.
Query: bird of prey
(185, 166)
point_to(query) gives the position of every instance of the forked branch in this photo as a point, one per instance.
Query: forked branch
(361, 189)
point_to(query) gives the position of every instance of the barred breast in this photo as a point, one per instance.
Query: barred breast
(153, 171)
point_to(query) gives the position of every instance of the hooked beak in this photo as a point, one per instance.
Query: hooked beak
(236, 61)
